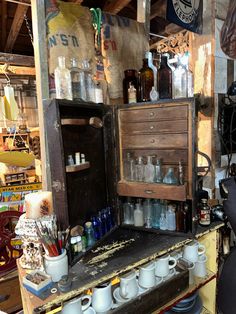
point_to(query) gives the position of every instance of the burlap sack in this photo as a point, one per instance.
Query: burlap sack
(123, 47)
(69, 32)
(228, 32)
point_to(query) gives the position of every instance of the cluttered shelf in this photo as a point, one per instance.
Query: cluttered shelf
(75, 168)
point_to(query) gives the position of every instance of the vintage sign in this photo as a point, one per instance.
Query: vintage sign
(186, 13)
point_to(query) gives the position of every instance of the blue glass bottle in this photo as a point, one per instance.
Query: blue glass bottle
(110, 218)
(102, 216)
(96, 227)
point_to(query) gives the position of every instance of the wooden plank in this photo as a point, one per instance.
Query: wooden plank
(17, 70)
(41, 65)
(22, 2)
(76, 168)
(14, 59)
(115, 7)
(18, 20)
(4, 24)
(152, 190)
(143, 13)
(74, 121)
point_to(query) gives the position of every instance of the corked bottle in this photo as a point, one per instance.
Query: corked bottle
(146, 82)
(130, 82)
(165, 79)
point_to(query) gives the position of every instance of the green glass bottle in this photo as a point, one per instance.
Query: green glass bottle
(146, 82)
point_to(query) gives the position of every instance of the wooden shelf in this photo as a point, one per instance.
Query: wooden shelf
(199, 282)
(80, 167)
(152, 190)
(74, 121)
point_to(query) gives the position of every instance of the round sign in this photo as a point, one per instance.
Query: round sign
(186, 10)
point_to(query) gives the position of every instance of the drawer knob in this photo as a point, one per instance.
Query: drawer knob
(151, 114)
(151, 127)
(149, 191)
(152, 140)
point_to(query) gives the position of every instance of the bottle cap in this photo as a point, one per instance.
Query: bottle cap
(88, 224)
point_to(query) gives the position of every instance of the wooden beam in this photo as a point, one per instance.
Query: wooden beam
(158, 9)
(17, 70)
(114, 7)
(41, 65)
(21, 10)
(23, 2)
(4, 24)
(13, 59)
(76, 1)
(143, 13)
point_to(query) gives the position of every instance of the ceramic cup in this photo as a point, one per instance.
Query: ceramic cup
(102, 297)
(75, 305)
(128, 285)
(147, 278)
(56, 266)
(200, 269)
(164, 264)
(193, 250)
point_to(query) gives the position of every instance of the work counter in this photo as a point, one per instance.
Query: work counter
(120, 251)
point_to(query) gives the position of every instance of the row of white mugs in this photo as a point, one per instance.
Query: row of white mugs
(149, 275)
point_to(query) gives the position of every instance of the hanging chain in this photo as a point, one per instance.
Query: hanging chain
(29, 29)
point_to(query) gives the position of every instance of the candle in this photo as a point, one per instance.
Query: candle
(38, 204)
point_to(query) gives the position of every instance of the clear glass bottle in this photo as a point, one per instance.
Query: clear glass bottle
(63, 80)
(139, 170)
(170, 177)
(77, 79)
(89, 83)
(149, 170)
(146, 81)
(128, 211)
(138, 215)
(179, 81)
(165, 79)
(132, 94)
(148, 55)
(70, 160)
(190, 88)
(158, 172)
(170, 217)
(147, 208)
(163, 221)
(129, 168)
(89, 234)
(156, 213)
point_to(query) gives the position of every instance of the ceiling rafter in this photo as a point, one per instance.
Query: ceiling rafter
(14, 59)
(17, 22)
(115, 7)
(158, 9)
(4, 24)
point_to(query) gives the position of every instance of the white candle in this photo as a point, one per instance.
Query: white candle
(38, 204)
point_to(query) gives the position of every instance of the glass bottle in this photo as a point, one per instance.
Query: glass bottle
(70, 160)
(98, 93)
(181, 173)
(77, 79)
(204, 213)
(128, 211)
(163, 221)
(170, 177)
(129, 79)
(190, 89)
(129, 168)
(158, 172)
(96, 227)
(146, 81)
(147, 207)
(170, 217)
(138, 215)
(149, 170)
(63, 80)
(148, 55)
(187, 218)
(139, 170)
(179, 81)
(154, 95)
(156, 213)
(165, 79)
(132, 94)
(89, 83)
(179, 218)
(89, 234)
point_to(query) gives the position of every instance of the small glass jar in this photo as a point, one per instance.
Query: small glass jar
(170, 177)
(130, 79)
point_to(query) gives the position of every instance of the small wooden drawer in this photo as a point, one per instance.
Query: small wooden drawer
(154, 114)
(159, 141)
(152, 190)
(155, 127)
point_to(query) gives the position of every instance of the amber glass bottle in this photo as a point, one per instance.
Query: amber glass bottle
(165, 79)
(146, 81)
(130, 79)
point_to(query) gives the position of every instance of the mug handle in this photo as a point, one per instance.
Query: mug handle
(201, 249)
(84, 307)
(124, 290)
(174, 264)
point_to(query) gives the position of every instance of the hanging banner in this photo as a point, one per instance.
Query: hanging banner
(186, 13)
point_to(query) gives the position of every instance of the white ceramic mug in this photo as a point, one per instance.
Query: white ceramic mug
(75, 305)
(129, 285)
(102, 298)
(56, 266)
(200, 269)
(193, 250)
(147, 278)
(163, 265)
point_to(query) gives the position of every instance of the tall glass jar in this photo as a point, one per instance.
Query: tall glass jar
(165, 79)
(130, 81)
(146, 81)
(78, 81)
(63, 80)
